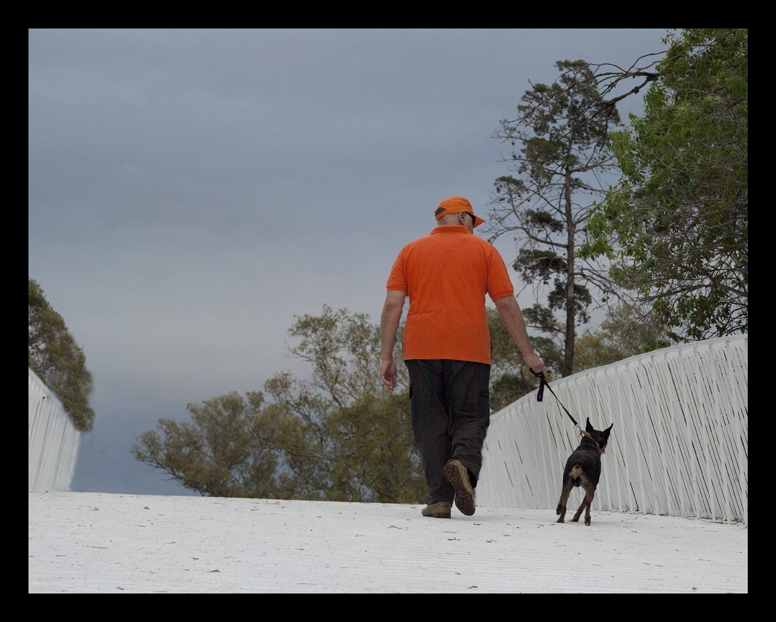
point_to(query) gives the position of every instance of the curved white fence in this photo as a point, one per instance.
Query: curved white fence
(679, 445)
(53, 440)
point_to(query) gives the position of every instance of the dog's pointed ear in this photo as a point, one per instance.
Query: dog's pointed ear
(608, 430)
(589, 427)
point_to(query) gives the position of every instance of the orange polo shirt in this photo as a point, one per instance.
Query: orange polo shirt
(446, 275)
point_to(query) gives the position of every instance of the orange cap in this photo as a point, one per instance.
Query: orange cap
(453, 205)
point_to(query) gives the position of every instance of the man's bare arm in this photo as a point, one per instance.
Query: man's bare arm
(513, 320)
(389, 324)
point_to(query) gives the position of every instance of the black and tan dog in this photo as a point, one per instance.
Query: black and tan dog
(583, 468)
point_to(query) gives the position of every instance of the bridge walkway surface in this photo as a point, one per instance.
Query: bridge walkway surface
(121, 543)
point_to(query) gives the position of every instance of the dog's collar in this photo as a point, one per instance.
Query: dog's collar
(590, 436)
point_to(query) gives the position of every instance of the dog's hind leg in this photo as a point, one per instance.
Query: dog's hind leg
(586, 503)
(570, 475)
(561, 509)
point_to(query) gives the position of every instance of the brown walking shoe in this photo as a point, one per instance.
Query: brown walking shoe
(458, 476)
(440, 509)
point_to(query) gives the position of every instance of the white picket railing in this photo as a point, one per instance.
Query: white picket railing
(679, 445)
(53, 440)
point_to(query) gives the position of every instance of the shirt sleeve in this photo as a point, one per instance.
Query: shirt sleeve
(397, 280)
(499, 283)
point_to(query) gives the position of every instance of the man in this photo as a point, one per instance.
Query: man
(446, 347)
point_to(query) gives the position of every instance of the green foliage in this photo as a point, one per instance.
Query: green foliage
(676, 227)
(54, 356)
(338, 436)
(535, 264)
(562, 145)
(217, 453)
(625, 332)
(558, 298)
(542, 318)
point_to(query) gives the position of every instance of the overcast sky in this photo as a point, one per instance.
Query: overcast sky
(191, 191)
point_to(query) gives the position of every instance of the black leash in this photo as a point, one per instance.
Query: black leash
(540, 395)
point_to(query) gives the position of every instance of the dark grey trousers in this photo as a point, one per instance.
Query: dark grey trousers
(450, 404)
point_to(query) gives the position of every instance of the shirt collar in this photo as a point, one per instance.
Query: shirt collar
(449, 229)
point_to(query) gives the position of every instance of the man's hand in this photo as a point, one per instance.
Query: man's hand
(388, 374)
(534, 363)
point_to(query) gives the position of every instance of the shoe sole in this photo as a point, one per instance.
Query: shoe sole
(437, 515)
(455, 473)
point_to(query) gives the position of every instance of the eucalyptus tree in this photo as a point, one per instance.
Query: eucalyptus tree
(560, 158)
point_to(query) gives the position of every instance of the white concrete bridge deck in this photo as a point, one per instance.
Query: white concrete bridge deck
(96, 542)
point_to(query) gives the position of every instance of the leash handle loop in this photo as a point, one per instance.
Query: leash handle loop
(540, 393)
(542, 382)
